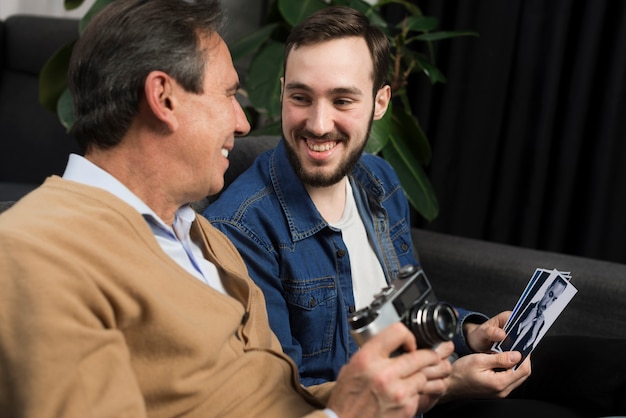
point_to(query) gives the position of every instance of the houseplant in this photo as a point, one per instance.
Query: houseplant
(397, 137)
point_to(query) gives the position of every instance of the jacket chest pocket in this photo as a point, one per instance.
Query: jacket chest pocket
(312, 305)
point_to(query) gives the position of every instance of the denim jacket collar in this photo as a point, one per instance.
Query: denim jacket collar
(302, 216)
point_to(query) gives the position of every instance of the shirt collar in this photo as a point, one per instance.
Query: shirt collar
(81, 170)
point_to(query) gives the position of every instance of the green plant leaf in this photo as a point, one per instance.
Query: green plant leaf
(252, 42)
(52, 78)
(360, 5)
(431, 71)
(379, 135)
(263, 80)
(295, 11)
(274, 128)
(367, 9)
(410, 7)
(95, 8)
(418, 23)
(438, 36)
(414, 181)
(72, 4)
(376, 19)
(65, 110)
(407, 135)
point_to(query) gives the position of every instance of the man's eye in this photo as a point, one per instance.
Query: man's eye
(343, 102)
(299, 99)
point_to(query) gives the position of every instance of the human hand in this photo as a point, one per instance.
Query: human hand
(475, 375)
(437, 378)
(374, 384)
(480, 337)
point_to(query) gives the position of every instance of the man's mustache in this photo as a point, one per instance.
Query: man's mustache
(329, 136)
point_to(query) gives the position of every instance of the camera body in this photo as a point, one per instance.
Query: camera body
(411, 300)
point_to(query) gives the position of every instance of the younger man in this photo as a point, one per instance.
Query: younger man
(322, 226)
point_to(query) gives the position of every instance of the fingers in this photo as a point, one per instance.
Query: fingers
(496, 331)
(374, 383)
(417, 392)
(506, 377)
(436, 376)
(419, 360)
(486, 375)
(391, 339)
(507, 359)
(501, 318)
(441, 369)
(445, 349)
(481, 337)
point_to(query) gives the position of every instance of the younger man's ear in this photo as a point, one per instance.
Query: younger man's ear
(381, 101)
(282, 88)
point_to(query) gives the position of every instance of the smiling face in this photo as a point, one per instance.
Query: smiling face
(328, 108)
(209, 122)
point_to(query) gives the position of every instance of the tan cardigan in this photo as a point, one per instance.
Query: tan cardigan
(97, 321)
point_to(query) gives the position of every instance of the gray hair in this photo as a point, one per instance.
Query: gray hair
(120, 46)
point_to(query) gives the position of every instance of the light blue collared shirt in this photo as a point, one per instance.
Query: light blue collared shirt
(175, 242)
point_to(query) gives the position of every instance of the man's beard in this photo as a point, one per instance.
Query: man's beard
(316, 178)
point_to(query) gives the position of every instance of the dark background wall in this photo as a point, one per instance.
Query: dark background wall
(528, 133)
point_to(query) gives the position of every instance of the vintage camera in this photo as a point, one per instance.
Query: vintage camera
(411, 300)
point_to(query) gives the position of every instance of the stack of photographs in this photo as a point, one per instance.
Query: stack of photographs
(548, 292)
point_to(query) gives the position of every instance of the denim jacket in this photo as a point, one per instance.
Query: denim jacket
(301, 263)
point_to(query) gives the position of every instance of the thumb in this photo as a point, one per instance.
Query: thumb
(508, 359)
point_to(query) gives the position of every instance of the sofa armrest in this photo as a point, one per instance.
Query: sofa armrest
(490, 277)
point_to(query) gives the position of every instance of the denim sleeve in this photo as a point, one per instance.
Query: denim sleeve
(461, 347)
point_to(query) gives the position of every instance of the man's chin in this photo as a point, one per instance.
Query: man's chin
(321, 179)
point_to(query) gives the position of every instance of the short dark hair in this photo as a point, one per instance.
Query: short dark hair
(121, 45)
(337, 22)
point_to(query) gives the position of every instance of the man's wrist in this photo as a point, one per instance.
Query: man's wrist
(461, 346)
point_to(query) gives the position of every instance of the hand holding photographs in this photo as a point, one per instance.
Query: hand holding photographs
(545, 297)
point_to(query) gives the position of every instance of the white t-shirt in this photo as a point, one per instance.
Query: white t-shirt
(367, 273)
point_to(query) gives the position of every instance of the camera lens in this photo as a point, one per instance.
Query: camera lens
(432, 324)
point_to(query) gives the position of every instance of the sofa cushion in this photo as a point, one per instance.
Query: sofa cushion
(5, 205)
(33, 144)
(10, 191)
(490, 277)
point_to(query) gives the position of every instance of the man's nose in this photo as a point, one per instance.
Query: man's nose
(320, 121)
(243, 126)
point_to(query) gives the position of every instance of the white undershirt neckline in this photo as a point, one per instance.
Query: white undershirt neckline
(368, 277)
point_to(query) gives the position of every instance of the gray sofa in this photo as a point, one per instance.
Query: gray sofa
(33, 144)
(474, 274)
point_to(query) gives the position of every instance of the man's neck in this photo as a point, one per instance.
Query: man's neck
(130, 167)
(329, 201)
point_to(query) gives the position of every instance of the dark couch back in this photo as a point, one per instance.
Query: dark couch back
(33, 143)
